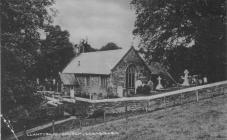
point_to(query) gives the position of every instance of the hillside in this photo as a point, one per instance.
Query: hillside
(206, 119)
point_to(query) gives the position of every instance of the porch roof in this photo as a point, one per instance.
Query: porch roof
(68, 79)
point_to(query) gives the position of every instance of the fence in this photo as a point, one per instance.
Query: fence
(147, 103)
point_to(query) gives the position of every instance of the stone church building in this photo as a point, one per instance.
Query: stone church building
(107, 73)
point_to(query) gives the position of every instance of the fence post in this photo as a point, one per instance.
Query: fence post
(181, 97)
(104, 116)
(126, 111)
(53, 126)
(197, 95)
(147, 106)
(164, 101)
(80, 123)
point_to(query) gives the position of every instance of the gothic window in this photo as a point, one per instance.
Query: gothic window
(103, 82)
(130, 77)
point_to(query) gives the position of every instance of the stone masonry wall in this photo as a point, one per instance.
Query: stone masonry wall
(93, 87)
(87, 108)
(118, 76)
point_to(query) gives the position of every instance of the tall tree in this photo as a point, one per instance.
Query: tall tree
(166, 26)
(56, 51)
(84, 46)
(110, 46)
(21, 20)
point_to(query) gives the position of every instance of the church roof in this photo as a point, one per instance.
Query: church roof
(99, 62)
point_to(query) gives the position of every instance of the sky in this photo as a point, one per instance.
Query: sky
(100, 21)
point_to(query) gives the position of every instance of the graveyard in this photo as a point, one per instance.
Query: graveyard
(92, 111)
(153, 97)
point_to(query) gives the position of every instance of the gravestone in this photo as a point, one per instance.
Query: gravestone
(54, 81)
(138, 84)
(151, 85)
(37, 81)
(186, 78)
(205, 80)
(159, 86)
(72, 92)
(95, 96)
(120, 91)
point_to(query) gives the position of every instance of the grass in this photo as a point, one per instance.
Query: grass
(203, 120)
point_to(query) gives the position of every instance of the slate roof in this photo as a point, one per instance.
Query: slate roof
(100, 62)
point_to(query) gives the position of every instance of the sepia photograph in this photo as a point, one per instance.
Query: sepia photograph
(113, 69)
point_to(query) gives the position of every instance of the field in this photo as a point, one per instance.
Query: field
(203, 120)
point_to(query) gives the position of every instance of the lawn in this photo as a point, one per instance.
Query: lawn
(203, 120)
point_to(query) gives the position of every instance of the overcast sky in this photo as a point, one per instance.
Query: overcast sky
(101, 21)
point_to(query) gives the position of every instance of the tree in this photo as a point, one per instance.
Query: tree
(166, 26)
(20, 42)
(55, 53)
(109, 46)
(84, 46)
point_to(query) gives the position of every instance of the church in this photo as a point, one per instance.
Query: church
(112, 73)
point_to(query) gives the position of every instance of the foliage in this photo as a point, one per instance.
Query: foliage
(20, 42)
(183, 32)
(112, 96)
(84, 46)
(109, 46)
(143, 90)
(55, 53)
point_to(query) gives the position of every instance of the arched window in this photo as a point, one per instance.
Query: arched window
(130, 77)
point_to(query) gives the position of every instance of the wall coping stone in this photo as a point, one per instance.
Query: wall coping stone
(152, 96)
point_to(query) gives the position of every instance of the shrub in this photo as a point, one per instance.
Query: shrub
(143, 90)
(112, 96)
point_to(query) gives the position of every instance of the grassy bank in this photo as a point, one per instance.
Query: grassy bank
(206, 119)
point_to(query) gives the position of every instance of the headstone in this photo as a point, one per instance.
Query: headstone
(205, 80)
(95, 96)
(54, 81)
(159, 86)
(120, 91)
(138, 83)
(193, 79)
(151, 85)
(72, 92)
(90, 96)
(37, 81)
(200, 81)
(186, 78)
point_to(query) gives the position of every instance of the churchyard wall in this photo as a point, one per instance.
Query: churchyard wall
(87, 107)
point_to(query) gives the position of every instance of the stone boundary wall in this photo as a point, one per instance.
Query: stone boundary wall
(86, 107)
